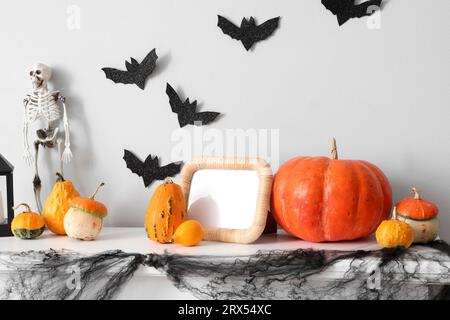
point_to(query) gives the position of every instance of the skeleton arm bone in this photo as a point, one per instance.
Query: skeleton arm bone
(25, 124)
(26, 153)
(67, 154)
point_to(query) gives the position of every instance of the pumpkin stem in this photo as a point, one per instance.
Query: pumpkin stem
(416, 193)
(96, 190)
(334, 152)
(168, 180)
(60, 177)
(394, 213)
(28, 209)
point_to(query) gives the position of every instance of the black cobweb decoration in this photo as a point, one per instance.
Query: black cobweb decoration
(66, 275)
(265, 275)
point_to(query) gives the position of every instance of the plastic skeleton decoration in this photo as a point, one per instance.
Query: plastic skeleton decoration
(42, 105)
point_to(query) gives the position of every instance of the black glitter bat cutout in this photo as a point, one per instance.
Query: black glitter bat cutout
(187, 111)
(248, 33)
(136, 73)
(149, 170)
(347, 9)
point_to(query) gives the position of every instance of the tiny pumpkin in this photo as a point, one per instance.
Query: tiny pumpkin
(394, 233)
(84, 219)
(166, 210)
(421, 215)
(58, 203)
(28, 224)
(189, 233)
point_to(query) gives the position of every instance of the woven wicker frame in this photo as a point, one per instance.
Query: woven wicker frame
(263, 201)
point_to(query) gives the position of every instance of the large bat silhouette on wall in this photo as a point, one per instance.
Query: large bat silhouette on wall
(248, 33)
(136, 73)
(347, 9)
(187, 111)
(150, 170)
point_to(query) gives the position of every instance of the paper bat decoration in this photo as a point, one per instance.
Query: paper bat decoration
(347, 9)
(187, 111)
(248, 33)
(136, 73)
(149, 170)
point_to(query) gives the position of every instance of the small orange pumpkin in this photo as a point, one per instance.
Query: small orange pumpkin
(421, 215)
(84, 219)
(394, 233)
(165, 212)
(28, 224)
(58, 203)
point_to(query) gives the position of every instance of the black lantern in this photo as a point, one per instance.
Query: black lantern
(6, 197)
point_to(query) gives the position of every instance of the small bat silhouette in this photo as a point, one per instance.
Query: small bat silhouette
(248, 33)
(347, 9)
(149, 170)
(136, 73)
(187, 111)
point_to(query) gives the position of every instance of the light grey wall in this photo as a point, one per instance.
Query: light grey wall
(383, 93)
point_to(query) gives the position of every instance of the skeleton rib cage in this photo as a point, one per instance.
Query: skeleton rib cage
(42, 106)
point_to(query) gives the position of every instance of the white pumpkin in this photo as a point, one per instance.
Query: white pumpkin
(82, 225)
(84, 219)
(421, 215)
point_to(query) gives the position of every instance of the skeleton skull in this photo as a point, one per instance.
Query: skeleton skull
(39, 75)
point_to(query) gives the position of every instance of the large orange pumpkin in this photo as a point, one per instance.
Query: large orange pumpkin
(325, 199)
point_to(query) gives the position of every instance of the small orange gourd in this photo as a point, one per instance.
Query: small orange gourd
(28, 224)
(57, 204)
(165, 212)
(394, 233)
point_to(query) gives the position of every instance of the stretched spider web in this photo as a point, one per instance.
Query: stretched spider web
(294, 274)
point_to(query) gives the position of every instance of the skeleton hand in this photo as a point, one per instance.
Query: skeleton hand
(27, 156)
(67, 155)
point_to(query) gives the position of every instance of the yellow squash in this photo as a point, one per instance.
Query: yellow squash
(57, 204)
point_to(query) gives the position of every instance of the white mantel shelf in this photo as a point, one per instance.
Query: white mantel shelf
(135, 240)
